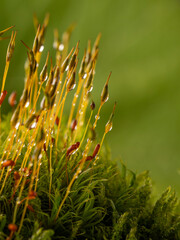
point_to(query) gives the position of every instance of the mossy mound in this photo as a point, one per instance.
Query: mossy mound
(53, 183)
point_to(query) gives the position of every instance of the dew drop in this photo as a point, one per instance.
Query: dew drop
(98, 117)
(90, 89)
(34, 125)
(30, 164)
(54, 81)
(41, 48)
(27, 104)
(107, 98)
(73, 86)
(84, 76)
(17, 125)
(110, 128)
(55, 45)
(61, 47)
(67, 68)
(79, 171)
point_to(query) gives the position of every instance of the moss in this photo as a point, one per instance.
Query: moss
(53, 184)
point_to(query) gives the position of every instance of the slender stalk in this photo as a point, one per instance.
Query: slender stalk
(60, 118)
(74, 102)
(50, 174)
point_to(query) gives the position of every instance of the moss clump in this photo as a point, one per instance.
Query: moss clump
(53, 185)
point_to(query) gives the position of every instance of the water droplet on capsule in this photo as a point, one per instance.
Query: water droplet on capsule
(55, 45)
(27, 104)
(41, 48)
(73, 86)
(84, 76)
(33, 125)
(98, 117)
(90, 89)
(17, 125)
(67, 68)
(61, 47)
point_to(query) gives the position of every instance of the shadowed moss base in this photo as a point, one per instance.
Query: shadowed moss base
(105, 202)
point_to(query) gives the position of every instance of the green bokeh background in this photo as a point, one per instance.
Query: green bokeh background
(141, 46)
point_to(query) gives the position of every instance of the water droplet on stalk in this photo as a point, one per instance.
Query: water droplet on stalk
(98, 117)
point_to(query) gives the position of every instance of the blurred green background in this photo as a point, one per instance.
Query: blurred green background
(140, 44)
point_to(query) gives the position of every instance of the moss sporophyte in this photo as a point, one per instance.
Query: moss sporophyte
(56, 180)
